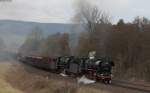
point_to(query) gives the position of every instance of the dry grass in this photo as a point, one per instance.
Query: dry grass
(5, 87)
(31, 82)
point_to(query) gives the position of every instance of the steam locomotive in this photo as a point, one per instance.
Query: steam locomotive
(98, 69)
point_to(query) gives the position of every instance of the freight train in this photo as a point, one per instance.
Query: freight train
(99, 69)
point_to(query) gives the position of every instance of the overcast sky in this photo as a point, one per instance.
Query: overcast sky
(61, 11)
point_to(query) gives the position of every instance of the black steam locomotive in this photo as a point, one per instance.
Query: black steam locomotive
(96, 69)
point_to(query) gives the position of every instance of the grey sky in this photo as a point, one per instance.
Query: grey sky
(61, 11)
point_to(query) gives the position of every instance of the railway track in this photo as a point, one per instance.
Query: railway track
(128, 85)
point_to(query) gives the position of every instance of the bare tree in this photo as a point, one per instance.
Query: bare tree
(56, 45)
(32, 44)
(64, 44)
(90, 15)
(96, 24)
